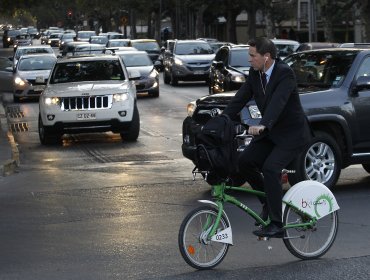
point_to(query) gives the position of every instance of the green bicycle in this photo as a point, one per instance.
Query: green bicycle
(310, 221)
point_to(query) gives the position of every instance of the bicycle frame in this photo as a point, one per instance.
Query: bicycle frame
(220, 197)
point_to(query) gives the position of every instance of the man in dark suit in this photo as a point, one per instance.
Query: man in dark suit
(280, 136)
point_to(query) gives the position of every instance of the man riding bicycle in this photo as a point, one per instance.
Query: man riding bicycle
(282, 133)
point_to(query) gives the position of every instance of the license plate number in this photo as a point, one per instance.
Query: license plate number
(40, 79)
(198, 72)
(86, 116)
(38, 88)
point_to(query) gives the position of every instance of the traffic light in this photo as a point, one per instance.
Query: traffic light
(69, 14)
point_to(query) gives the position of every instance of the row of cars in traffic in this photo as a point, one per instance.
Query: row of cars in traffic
(90, 93)
(84, 88)
(82, 93)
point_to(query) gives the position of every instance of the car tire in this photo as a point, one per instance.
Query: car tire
(366, 167)
(132, 133)
(174, 80)
(320, 161)
(46, 136)
(166, 77)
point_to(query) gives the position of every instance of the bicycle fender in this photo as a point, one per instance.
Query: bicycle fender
(225, 236)
(311, 197)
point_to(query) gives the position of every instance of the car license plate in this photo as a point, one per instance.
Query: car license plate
(38, 88)
(198, 72)
(40, 80)
(86, 116)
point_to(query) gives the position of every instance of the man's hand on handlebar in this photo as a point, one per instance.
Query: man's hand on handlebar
(256, 130)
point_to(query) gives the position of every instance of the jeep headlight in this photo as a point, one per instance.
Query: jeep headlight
(52, 101)
(191, 108)
(120, 97)
(178, 61)
(19, 81)
(254, 111)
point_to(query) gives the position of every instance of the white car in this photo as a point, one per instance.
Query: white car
(285, 47)
(89, 94)
(22, 50)
(31, 75)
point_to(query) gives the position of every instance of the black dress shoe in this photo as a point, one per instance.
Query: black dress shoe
(271, 231)
(264, 215)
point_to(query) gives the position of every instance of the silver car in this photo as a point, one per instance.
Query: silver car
(149, 76)
(190, 60)
(31, 75)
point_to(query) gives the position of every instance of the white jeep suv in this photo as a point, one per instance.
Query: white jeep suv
(88, 94)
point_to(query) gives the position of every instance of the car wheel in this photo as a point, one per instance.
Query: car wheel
(46, 137)
(133, 133)
(174, 80)
(166, 77)
(366, 167)
(320, 161)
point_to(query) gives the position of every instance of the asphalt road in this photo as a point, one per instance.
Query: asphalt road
(97, 208)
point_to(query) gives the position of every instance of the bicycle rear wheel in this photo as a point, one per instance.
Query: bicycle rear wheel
(310, 243)
(195, 248)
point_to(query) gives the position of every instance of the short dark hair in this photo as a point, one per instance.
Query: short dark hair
(264, 45)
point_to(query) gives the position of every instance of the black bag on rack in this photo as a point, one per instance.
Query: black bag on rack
(217, 149)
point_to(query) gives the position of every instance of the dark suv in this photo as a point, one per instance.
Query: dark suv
(229, 69)
(334, 87)
(9, 37)
(189, 60)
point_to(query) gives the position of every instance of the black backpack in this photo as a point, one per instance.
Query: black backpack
(217, 149)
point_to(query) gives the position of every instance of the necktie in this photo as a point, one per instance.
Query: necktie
(264, 79)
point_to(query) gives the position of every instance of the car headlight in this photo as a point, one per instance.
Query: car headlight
(238, 78)
(120, 97)
(52, 101)
(153, 74)
(178, 61)
(49, 42)
(19, 81)
(191, 108)
(255, 112)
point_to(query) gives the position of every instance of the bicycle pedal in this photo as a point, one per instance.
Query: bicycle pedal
(261, 238)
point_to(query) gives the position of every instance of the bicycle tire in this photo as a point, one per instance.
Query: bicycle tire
(197, 252)
(310, 243)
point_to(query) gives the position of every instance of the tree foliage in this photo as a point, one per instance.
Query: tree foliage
(189, 18)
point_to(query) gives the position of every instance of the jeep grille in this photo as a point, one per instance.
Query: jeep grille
(86, 103)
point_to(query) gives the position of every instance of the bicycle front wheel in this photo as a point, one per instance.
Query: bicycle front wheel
(195, 248)
(313, 242)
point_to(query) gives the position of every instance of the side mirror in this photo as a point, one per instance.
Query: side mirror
(218, 64)
(11, 58)
(163, 49)
(362, 82)
(133, 75)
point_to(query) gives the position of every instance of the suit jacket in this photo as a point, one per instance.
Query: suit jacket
(280, 106)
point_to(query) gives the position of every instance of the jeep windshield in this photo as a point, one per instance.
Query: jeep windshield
(83, 71)
(319, 70)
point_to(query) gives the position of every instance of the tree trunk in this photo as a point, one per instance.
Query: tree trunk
(199, 24)
(251, 22)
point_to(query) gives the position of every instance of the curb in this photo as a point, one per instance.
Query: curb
(9, 166)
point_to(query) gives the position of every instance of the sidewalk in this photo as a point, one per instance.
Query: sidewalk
(9, 155)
